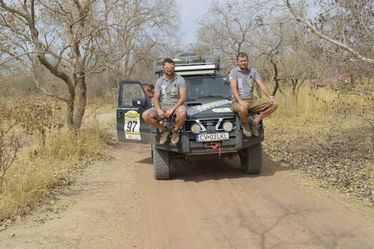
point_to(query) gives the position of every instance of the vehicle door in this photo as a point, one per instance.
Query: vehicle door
(132, 102)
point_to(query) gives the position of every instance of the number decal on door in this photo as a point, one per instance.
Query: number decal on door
(132, 124)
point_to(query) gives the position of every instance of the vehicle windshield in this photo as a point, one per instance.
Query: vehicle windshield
(213, 87)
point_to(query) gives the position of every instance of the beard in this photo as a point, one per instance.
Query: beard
(168, 73)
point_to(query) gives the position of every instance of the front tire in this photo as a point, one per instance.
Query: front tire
(161, 163)
(251, 159)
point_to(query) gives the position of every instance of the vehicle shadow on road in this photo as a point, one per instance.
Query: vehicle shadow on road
(215, 169)
(147, 160)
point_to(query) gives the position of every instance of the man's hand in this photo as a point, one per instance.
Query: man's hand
(161, 114)
(272, 100)
(169, 113)
(243, 105)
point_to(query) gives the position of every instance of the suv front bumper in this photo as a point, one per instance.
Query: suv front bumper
(189, 146)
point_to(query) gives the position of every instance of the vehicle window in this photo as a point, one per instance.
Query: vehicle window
(207, 87)
(131, 91)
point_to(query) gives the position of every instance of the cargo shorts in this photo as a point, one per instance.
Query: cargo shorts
(154, 113)
(255, 105)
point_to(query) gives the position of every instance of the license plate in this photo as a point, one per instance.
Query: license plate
(209, 137)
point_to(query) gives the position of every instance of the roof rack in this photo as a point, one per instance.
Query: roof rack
(189, 64)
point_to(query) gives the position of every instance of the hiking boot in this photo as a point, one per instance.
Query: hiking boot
(255, 129)
(175, 137)
(164, 136)
(246, 130)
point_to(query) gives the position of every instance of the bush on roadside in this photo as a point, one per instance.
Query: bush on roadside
(40, 170)
(23, 120)
(39, 117)
(10, 141)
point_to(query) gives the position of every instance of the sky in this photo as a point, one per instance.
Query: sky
(191, 11)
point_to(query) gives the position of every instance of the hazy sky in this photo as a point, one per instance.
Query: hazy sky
(191, 11)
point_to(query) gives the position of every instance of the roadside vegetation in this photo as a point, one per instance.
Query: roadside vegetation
(38, 153)
(329, 135)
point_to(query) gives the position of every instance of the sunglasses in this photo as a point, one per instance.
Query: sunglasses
(169, 67)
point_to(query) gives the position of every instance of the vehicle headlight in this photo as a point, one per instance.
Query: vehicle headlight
(228, 126)
(195, 128)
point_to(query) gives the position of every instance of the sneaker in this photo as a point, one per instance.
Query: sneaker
(164, 136)
(255, 129)
(175, 137)
(246, 130)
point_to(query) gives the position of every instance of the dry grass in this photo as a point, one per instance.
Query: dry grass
(38, 171)
(324, 133)
(312, 104)
(368, 171)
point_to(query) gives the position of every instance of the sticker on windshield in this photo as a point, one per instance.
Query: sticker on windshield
(132, 124)
(225, 109)
(200, 108)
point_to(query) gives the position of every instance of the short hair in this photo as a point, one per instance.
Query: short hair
(168, 60)
(241, 54)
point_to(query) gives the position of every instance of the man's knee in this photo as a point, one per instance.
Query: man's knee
(242, 112)
(272, 108)
(275, 106)
(181, 112)
(148, 116)
(145, 116)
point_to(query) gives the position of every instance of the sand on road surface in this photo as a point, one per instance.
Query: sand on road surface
(206, 204)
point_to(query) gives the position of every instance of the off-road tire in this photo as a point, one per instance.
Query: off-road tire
(161, 164)
(251, 159)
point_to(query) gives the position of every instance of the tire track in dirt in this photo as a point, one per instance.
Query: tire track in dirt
(207, 204)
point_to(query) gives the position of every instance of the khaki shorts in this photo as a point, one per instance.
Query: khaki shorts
(255, 105)
(154, 113)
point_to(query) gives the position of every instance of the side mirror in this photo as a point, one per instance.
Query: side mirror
(138, 102)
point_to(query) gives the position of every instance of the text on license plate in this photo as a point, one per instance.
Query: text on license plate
(208, 137)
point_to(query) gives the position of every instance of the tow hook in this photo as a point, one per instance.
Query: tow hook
(217, 147)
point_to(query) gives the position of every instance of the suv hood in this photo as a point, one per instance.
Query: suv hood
(209, 108)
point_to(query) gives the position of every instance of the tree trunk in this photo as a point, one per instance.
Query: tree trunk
(294, 85)
(276, 80)
(81, 103)
(70, 113)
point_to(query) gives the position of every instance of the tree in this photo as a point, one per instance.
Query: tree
(258, 28)
(78, 38)
(229, 27)
(135, 33)
(61, 36)
(347, 24)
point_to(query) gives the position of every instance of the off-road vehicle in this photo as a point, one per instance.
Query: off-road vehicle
(211, 128)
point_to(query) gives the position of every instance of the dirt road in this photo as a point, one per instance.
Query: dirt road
(207, 204)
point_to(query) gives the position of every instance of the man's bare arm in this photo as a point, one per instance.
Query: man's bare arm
(156, 101)
(263, 87)
(266, 91)
(181, 100)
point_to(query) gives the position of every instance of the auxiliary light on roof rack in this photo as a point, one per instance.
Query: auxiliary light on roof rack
(189, 64)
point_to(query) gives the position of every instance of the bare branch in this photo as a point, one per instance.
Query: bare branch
(327, 38)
